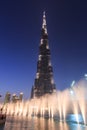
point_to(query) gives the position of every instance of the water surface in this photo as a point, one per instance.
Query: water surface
(35, 123)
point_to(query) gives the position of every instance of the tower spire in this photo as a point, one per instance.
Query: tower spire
(44, 26)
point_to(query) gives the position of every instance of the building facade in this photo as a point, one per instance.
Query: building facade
(44, 82)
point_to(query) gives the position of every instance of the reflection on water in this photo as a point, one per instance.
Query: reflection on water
(34, 123)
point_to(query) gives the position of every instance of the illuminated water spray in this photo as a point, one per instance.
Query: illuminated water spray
(61, 105)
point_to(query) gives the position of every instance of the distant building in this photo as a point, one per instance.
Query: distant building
(21, 96)
(16, 98)
(7, 97)
(44, 82)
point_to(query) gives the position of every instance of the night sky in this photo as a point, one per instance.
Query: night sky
(20, 31)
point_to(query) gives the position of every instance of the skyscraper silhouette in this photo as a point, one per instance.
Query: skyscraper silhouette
(44, 82)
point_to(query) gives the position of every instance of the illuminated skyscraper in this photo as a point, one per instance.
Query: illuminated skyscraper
(44, 82)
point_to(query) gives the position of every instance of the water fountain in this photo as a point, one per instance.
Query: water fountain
(69, 105)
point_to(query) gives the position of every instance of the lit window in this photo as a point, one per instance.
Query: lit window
(39, 57)
(52, 81)
(49, 63)
(41, 41)
(37, 75)
(47, 47)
